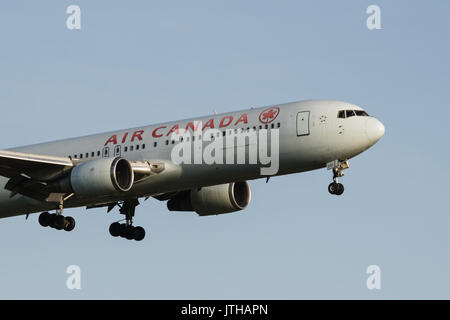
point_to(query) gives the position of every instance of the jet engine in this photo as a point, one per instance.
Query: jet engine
(99, 177)
(213, 200)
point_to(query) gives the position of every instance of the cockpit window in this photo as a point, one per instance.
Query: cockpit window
(350, 113)
(361, 113)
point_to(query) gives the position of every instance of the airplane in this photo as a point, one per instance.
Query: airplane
(116, 169)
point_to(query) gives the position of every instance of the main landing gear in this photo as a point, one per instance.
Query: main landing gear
(57, 220)
(335, 187)
(127, 230)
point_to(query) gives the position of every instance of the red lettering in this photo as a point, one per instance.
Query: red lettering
(175, 128)
(243, 118)
(113, 140)
(190, 125)
(137, 134)
(222, 122)
(125, 137)
(210, 124)
(155, 135)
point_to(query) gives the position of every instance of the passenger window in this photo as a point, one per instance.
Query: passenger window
(341, 114)
(143, 146)
(349, 113)
(155, 144)
(131, 148)
(81, 156)
(137, 147)
(93, 154)
(98, 153)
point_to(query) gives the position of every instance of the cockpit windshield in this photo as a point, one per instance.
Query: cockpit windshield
(350, 113)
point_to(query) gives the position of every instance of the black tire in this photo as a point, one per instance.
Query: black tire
(52, 220)
(340, 189)
(44, 219)
(139, 233)
(129, 232)
(69, 223)
(115, 229)
(122, 230)
(332, 188)
(59, 222)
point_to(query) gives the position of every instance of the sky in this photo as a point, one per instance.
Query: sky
(134, 63)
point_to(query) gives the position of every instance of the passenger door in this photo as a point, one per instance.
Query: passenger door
(303, 123)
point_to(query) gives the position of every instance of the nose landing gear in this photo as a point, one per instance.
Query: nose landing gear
(336, 188)
(337, 166)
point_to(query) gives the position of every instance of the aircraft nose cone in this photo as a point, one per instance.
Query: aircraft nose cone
(374, 130)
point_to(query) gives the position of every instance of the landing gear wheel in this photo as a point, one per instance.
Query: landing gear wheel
(115, 229)
(60, 222)
(336, 188)
(332, 187)
(69, 224)
(44, 219)
(340, 189)
(52, 220)
(139, 233)
(129, 232)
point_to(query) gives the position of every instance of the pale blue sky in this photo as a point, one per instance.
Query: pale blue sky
(140, 62)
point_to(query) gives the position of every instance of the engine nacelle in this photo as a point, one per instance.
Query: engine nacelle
(100, 177)
(219, 199)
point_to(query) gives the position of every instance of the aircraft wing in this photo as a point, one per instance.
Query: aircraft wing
(28, 173)
(35, 166)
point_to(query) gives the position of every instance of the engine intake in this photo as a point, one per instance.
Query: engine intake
(219, 199)
(99, 177)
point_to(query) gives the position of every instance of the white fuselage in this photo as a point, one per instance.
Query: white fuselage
(304, 144)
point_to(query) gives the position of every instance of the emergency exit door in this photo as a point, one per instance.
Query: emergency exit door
(303, 123)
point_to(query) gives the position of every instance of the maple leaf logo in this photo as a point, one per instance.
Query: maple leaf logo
(269, 115)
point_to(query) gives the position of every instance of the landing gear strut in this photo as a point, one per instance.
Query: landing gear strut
(57, 220)
(127, 230)
(335, 187)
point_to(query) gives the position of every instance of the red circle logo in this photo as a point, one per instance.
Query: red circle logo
(268, 115)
